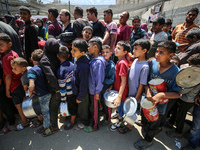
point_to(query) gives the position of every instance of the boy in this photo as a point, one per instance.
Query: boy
(108, 81)
(87, 33)
(158, 35)
(167, 28)
(12, 81)
(161, 67)
(96, 78)
(37, 82)
(80, 81)
(64, 75)
(121, 80)
(138, 74)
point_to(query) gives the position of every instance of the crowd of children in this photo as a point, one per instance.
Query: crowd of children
(79, 74)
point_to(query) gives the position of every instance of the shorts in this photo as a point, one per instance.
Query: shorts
(18, 95)
(120, 109)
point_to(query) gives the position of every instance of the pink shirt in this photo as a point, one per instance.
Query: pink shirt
(123, 33)
(112, 29)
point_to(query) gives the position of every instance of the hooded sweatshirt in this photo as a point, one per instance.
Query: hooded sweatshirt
(80, 78)
(97, 74)
(50, 63)
(41, 30)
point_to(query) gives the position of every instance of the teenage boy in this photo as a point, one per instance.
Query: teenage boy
(54, 29)
(37, 83)
(64, 75)
(96, 78)
(14, 88)
(161, 67)
(80, 81)
(108, 81)
(121, 80)
(30, 33)
(158, 35)
(138, 74)
(111, 26)
(167, 28)
(87, 33)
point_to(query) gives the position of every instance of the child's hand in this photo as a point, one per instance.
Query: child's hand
(8, 94)
(110, 88)
(157, 98)
(96, 96)
(78, 102)
(117, 101)
(197, 100)
(149, 96)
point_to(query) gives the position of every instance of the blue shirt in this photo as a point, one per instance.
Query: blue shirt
(37, 75)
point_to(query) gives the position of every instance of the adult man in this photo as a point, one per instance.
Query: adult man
(79, 23)
(178, 35)
(110, 38)
(193, 36)
(54, 29)
(124, 30)
(4, 28)
(30, 33)
(65, 19)
(137, 32)
(99, 27)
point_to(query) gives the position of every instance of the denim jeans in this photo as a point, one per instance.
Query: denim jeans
(195, 129)
(44, 104)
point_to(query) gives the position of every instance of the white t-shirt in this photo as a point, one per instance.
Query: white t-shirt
(161, 36)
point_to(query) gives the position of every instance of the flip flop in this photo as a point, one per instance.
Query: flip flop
(4, 131)
(37, 124)
(142, 144)
(80, 126)
(173, 134)
(88, 129)
(48, 132)
(20, 127)
(124, 129)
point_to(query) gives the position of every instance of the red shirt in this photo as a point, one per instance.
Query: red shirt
(121, 69)
(7, 70)
(123, 33)
(41, 44)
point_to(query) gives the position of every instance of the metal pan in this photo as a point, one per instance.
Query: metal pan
(109, 97)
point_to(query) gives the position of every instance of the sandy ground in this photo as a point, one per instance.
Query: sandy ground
(103, 139)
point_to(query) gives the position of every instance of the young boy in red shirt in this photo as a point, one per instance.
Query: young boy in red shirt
(14, 88)
(121, 80)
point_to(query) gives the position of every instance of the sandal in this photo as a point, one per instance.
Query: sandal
(4, 131)
(50, 131)
(69, 126)
(173, 134)
(142, 144)
(41, 130)
(20, 127)
(124, 129)
(88, 129)
(37, 123)
(158, 130)
(80, 126)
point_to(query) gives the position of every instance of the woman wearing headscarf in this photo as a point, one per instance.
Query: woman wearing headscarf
(144, 26)
(11, 21)
(41, 28)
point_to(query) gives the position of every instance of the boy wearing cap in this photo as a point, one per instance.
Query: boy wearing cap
(158, 35)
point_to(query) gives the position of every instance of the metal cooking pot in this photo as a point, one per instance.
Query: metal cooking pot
(109, 97)
(31, 107)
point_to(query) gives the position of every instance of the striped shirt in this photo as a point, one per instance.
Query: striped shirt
(179, 34)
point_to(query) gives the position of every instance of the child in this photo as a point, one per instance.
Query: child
(138, 74)
(96, 78)
(175, 60)
(37, 82)
(160, 68)
(87, 33)
(21, 67)
(64, 75)
(80, 81)
(14, 88)
(108, 81)
(121, 80)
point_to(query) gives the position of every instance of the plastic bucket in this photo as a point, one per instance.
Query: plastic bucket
(129, 108)
(156, 86)
(31, 107)
(150, 111)
(64, 109)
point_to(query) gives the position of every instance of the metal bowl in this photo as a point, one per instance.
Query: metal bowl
(31, 107)
(109, 98)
